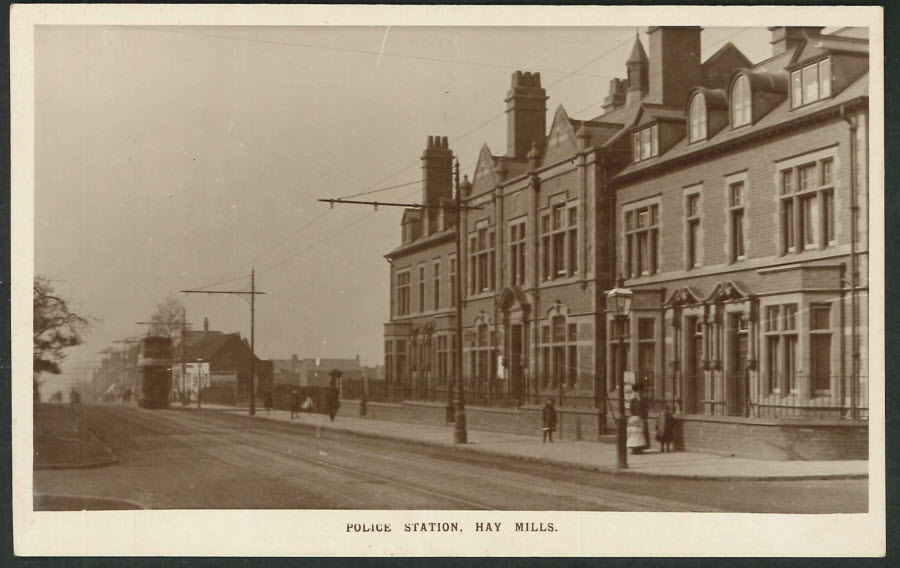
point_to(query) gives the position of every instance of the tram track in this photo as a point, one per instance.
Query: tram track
(275, 437)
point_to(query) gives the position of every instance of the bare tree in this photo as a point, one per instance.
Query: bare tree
(56, 328)
(167, 318)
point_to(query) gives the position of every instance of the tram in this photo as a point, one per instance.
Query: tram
(154, 372)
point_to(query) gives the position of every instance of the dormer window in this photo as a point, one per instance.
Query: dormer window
(646, 143)
(698, 118)
(740, 102)
(811, 83)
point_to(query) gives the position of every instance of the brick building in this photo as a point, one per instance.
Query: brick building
(734, 230)
(725, 192)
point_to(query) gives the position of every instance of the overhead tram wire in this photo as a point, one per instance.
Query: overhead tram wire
(329, 237)
(293, 234)
(369, 191)
(498, 115)
(354, 51)
(457, 138)
(382, 189)
(268, 250)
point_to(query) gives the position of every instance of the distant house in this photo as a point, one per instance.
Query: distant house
(374, 373)
(228, 357)
(313, 371)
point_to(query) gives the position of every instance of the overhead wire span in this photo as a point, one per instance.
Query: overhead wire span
(356, 51)
(325, 239)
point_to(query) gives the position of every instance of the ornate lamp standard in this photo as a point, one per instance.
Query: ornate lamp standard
(618, 303)
(460, 433)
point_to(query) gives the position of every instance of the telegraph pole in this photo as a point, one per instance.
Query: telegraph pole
(125, 357)
(460, 435)
(253, 293)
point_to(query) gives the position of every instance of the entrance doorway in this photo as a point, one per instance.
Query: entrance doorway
(737, 364)
(693, 371)
(516, 356)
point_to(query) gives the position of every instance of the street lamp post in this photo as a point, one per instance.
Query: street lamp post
(460, 434)
(618, 303)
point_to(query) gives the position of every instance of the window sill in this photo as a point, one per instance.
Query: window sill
(480, 295)
(560, 281)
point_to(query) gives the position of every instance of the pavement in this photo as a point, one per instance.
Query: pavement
(595, 456)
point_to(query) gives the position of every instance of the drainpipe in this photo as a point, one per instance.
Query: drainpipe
(842, 387)
(852, 122)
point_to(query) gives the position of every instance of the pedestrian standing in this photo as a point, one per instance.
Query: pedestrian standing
(636, 439)
(665, 429)
(639, 409)
(269, 402)
(332, 403)
(295, 403)
(548, 416)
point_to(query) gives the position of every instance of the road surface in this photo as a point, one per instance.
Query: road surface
(187, 459)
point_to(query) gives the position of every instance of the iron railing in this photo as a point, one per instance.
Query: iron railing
(729, 395)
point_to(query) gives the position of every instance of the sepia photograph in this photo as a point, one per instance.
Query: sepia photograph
(487, 282)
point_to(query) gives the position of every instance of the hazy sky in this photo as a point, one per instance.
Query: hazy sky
(172, 158)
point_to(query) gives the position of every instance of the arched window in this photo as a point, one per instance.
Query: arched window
(740, 102)
(698, 118)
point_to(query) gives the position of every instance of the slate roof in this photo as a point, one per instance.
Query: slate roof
(781, 113)
(209, 345)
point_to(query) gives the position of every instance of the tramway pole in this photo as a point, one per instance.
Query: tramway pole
(253, 293)
(125, 357)
(460, 434)
(456, 392)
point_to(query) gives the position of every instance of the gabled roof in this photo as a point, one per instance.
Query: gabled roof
(484, 177)
(560, 140)
(193, 336)
(725, 49)
(209, 345)
(781, 113)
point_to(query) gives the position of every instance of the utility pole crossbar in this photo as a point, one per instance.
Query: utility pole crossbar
(456, 395)
(378, 204)
(253, 294)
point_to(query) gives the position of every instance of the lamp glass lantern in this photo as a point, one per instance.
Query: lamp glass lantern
(618, 300)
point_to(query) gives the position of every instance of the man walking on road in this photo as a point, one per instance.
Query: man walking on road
(295, 403)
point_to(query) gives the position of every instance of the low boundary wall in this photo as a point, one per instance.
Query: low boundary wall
(769, 439)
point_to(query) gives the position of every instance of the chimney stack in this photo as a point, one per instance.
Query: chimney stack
(674, 63)
(787, 37)
(616, 96)
(437, 179)
(526, 114)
